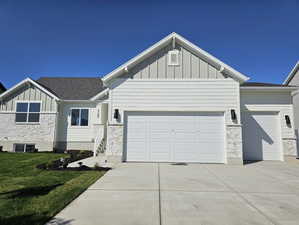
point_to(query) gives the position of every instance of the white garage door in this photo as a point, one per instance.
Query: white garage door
(174, 137)
(261, 136)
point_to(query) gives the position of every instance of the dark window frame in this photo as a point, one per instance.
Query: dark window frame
(80, 122)
(30, 112)
(26, 147)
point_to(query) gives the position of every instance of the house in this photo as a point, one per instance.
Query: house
(173, 102)
(2, 88)
(293, 80)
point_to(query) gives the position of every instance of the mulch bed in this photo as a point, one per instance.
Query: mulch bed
(75, 155)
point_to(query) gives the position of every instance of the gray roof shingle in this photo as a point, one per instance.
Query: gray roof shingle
(72, 88)
(2, 88)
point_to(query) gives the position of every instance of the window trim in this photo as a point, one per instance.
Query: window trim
(24, 148)
(175, 51)
(79, 126)
(28, 102)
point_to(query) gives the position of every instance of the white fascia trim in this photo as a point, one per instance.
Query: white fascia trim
(139, 57)
(291, 74)
(78, 101)
(101, 94)
(28, 80)
(221, 66)
(270, 88)
(168, 39)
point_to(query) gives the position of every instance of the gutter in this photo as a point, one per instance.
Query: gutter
(287, 88)
(84, 101)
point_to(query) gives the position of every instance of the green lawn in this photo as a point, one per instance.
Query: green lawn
(32, 196)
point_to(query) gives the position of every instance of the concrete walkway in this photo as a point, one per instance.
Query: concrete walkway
(165, 194)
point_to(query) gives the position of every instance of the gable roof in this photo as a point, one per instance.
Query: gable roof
(25, 81)
(292, 74)
(2, 88)
(174, 37)
(73, 88)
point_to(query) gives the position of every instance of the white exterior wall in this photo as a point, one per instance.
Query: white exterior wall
(41, 134)
(270, 101)
(76, 137)
(176, 95)
(295, 81)
(203, 95)
(190, 67)
(263, 101)
(28, 93)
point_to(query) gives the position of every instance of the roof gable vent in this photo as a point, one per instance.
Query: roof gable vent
(173, 58)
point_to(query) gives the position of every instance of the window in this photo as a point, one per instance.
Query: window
(173, 58)
(79, 117)
(28, 112)
(24, 147)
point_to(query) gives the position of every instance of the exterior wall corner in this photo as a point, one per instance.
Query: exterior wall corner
(289, 146)
(115, 141)
(234, 144)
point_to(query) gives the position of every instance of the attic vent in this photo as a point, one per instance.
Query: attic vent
(173, 58)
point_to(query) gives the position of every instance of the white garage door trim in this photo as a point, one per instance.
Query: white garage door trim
(248, 135)
(143, 129)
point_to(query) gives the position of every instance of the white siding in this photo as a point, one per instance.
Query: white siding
(270, 101)
(295, 79)
(167, 95)
(31, 93)
(67, 133)
(190, 67)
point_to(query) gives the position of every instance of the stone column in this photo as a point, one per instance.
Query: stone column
(114, 150)
(234, 144)
(289, 146)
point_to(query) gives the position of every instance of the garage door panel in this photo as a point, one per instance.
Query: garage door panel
(136, 130)
(176, 137)
(206, 149)
(137, 151)
(185, 137)
(160, 151)
(159, 136)
(210, 158)
(261, 136)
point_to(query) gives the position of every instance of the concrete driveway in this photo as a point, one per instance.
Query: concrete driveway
(155, 194)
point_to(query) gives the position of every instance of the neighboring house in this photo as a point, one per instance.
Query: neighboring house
(173, 102)
(2, 88)
(293, 80)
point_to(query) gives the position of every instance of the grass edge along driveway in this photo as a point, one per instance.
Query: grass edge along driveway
(32, 196)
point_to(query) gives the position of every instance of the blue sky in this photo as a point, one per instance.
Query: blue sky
(92, 37)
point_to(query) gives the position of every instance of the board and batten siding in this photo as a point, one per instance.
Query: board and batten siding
(295, 80)
(175, 95)
(252, 100)
(28, 93)
(190, 67)
(68, 133)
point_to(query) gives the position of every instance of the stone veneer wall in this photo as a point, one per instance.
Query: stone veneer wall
(114, 150)
(289, 146)
(41, 134)
(234, 144)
